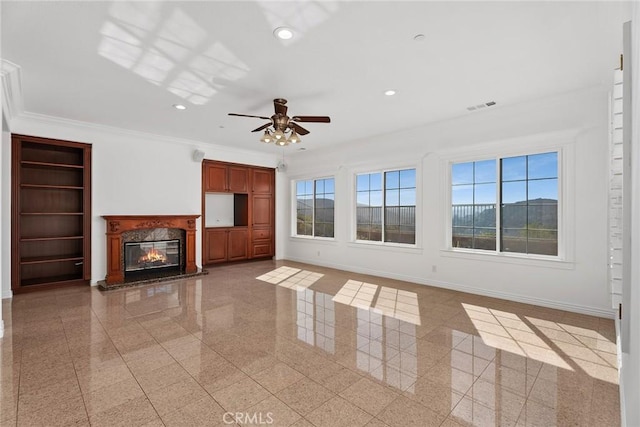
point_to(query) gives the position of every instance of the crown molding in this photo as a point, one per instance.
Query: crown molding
(12, 101)
(27, 118)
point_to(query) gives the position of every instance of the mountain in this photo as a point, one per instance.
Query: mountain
(324, 208)
(542, 213)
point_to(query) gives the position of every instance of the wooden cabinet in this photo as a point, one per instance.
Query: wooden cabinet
(253, 234)
(238, 179)
(225, 244)
(262, 181)
(237, 240)
(215, 177)
(51, 213)
(262, 224)
(262, 210)
(262, 242)
(224, 178)
(262, 213)
(215, 245)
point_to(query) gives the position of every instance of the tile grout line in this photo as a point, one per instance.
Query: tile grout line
(75, 371)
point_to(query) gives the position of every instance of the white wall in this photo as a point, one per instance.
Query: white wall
(578, 122)
(132, 174)
(630, 361)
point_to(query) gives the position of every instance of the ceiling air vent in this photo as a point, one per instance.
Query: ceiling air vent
(481, 106)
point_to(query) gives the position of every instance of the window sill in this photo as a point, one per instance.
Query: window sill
(381, 246)
(509, 258)
(323, 240)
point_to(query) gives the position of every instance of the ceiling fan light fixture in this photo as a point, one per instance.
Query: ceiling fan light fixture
(281, 129)
(294, 138)
(266, 137)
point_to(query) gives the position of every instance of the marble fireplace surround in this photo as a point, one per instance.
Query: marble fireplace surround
(120, 227)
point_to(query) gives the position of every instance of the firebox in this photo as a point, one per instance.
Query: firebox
(151, 257)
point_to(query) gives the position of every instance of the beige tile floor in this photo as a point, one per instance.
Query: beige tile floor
(281, 343)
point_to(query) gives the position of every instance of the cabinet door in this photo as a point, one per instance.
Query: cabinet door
(215, 177)
(261, 234)
(262, 207)
(215, 248)
(262, 180)
(238, 179)
(237, 245)
(260, 250)
(262, 242)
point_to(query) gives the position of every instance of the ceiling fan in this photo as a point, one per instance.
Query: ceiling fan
(282, 129)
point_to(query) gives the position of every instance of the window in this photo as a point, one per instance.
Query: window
(523, 201)
(315, 207)
(386, 206)
(473, 194)
(529, 205)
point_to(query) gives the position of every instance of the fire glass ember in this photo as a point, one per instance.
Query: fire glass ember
(151, 255)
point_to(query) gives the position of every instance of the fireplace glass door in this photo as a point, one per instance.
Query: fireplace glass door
(144, 256)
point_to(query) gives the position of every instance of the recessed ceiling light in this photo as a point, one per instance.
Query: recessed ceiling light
(283, 33)
(390, 92)
(419, 37)
(179, 107)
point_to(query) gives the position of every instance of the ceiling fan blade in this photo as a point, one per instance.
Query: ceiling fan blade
(279, 106)
(298, 128)
(247, 115)
(264, 126)
(316, 119)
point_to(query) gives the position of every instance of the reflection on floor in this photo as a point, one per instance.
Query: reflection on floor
(300, 345)
(316, 319)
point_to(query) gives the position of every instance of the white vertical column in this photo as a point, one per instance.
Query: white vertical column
(616, 190)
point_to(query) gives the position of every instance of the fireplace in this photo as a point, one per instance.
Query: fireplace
(149, 247)
(155, 257)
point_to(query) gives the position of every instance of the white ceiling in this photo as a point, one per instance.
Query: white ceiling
(125, 63)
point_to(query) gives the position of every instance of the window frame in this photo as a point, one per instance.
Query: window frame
(294, 208)
(564, 148)
(354, 201)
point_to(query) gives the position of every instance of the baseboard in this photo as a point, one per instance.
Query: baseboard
(623, 412)
(591, 311)
(7, 294)
(1, 328)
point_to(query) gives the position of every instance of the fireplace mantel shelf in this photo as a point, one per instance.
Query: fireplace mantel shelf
(121, 223)
(118, 224)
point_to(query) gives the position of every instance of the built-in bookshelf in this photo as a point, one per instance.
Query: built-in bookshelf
(51, 213)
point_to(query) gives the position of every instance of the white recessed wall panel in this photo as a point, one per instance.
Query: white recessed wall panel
(219, 210)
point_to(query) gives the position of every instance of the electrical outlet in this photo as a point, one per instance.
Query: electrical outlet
(318, 253)
(434, 268)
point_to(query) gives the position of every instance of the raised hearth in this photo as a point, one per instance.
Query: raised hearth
(125, 231)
